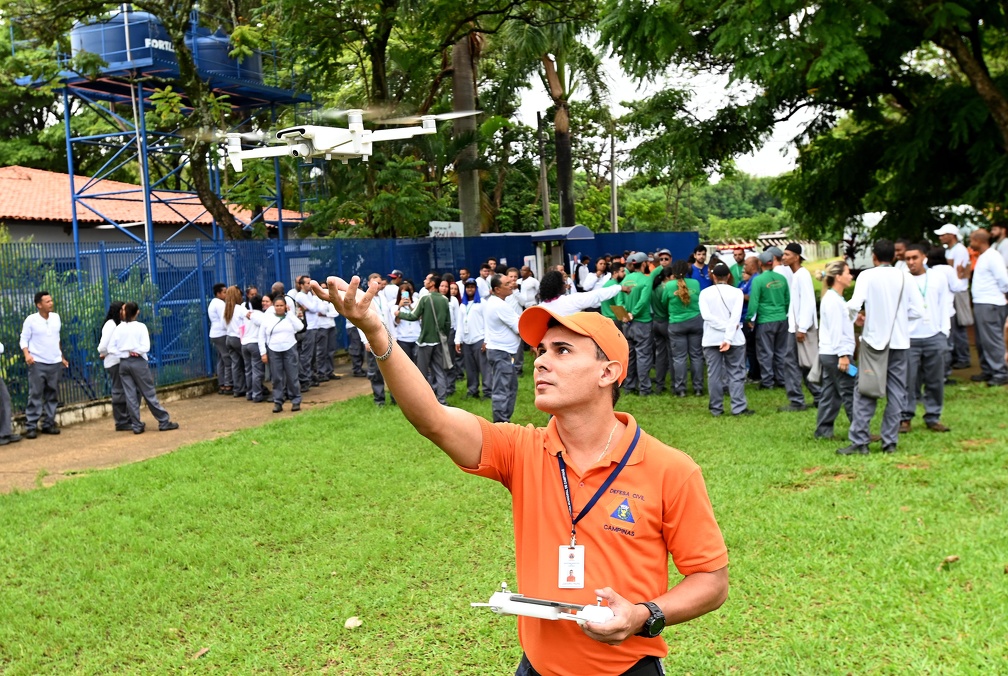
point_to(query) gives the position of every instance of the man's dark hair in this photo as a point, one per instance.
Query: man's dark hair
(884, 250)
(485, 266)
(463, 269)
(699, 248)
(255, 301)
(936, 256)
(218, 287)
(600, 355)
(615, 267)
(585, 259)
(39, 295)
(301, 278)
(495, 282)
(551, 286)
(435, 279)
(512, 269)
(910, 246)
(905, 242)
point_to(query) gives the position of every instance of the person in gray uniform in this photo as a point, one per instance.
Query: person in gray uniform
(40, 344)
(7, 435)
(131, 343)
(890, 301)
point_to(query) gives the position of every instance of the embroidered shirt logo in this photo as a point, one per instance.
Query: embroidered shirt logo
(623, 513)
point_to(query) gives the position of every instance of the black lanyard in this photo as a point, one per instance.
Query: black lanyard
(602, 489)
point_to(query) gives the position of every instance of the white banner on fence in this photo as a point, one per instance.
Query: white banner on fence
(446, 229)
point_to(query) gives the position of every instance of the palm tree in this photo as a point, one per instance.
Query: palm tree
(565, 65)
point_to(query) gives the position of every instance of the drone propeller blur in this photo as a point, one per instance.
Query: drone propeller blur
(309, 141)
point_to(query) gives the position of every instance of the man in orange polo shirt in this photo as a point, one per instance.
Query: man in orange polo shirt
(598, 504)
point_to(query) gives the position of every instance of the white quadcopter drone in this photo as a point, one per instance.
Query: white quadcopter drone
(334, 143)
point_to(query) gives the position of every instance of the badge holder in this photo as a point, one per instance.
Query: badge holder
(506, 603)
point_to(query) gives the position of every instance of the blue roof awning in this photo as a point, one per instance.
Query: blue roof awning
(563, 234)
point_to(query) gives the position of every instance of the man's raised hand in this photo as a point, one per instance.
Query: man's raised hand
(349, 300)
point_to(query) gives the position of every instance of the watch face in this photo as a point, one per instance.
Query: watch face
(657, 624)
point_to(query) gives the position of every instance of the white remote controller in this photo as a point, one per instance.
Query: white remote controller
(505, 602)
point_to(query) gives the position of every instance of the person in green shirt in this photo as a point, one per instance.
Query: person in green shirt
(739, 267)
(638, 331)
(769, 298)
(659, 321)
(685, 329)
(433, 313)
(617, 272)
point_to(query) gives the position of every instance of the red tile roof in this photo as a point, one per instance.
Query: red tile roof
(38, 195)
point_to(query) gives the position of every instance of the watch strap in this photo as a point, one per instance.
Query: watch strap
(647, 630)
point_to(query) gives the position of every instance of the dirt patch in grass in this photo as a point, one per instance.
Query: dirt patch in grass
(41, 462)
(968, 445)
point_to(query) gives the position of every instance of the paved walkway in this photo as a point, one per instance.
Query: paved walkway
(31, 463)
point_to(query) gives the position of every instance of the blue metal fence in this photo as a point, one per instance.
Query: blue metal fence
(175, 309)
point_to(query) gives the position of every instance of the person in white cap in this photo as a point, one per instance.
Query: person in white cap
(959, 258)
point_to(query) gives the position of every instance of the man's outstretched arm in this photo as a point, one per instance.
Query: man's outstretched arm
(455, 431)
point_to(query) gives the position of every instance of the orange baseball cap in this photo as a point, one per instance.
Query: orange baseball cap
(534, 321)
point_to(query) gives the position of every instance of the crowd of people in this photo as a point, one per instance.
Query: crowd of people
(754, 317)
(293, 335)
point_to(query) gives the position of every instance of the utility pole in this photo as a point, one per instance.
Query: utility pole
(543, 183)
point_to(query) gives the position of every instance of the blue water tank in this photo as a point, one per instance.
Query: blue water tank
(148, 38)
(251, 68)
(210, 51)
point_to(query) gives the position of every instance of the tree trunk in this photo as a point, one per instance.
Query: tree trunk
(198, 93)
(464, 98)
(565, 169)
(976, 72)
(378, 48)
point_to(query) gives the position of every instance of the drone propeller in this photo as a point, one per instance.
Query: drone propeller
(413, 119)
(208, 135)
(340, 113)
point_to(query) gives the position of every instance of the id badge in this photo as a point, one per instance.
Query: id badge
(572, 567)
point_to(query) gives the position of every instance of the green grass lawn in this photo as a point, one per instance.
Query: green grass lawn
(260, 545)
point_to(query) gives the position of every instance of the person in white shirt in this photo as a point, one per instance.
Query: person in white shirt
(990, 284)
(234, 323)
(483, 281)
(450, 290)
(406, 333)
(130, 342)
(553, 295)
(325, 342)
(803, 324)
(901, 248)
(309, 307)
(958, 257)
(390, 289)
(381, 306)
(218, 337)
(469, 336)
(999, 239)
(278, 348)
(724, 343)
(500, 326)
(580, 274)
(928, 341)
(598, 278)
(517, 302)
(836, 350)
(7, 435)
(778, 264)
(40, 345)
(529, 287)
(254, 368)
(120, 414)
(890, 302)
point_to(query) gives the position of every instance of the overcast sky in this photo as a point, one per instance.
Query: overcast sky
(776, 157)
